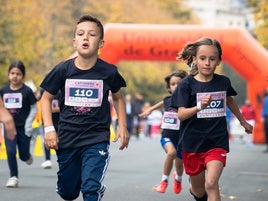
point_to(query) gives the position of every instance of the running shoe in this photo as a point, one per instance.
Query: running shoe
(177, 185)
(12, 182)
(47, 164)
(30, 160)
(161, 187)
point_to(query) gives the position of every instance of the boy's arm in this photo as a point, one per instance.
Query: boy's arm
(50, 138)
(120, 107)
(8, 121)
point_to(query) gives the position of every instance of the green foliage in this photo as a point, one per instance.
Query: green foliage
(147, 78)
(34, 32)
(238, 83)
(40, 34)
(261, 19)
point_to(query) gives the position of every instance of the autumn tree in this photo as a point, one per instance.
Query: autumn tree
(138, 74)
(40, 34)
(261, 19)
(36, 33)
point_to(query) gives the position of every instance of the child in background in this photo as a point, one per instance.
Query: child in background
(249, 113)
(201, 99)
(170, 135)
(20, 101)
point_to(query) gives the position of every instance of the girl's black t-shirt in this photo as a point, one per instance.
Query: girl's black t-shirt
(18, 102)
(207, 129)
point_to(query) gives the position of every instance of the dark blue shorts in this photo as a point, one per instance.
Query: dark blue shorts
(165, 140)
(82, 169)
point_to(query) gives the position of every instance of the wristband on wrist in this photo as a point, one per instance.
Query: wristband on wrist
(199, 106)
(49, 129)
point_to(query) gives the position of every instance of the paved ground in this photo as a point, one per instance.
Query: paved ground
(134, 171)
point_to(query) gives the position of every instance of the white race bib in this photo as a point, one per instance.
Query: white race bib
(216, 108)
(170, 121)
(83, 93)
(12, 100)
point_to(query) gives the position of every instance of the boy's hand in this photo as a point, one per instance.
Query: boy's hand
(124, 136)
(51, 140)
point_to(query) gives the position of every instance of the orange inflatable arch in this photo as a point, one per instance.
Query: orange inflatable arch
(162, 43)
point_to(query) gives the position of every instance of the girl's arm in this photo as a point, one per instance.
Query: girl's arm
(120, 108)
(232, 105)
(152, 108)
(186, 113)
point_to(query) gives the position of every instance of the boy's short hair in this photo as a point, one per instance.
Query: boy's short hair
(89, 18)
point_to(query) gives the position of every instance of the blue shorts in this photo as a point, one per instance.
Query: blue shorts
(82, 169)
(165, 140)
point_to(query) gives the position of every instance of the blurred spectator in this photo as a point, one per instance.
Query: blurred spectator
(249, 113)
(228, 120)
(154, 121)
(265, 118)
(129, 113)
(146, 126)
(138, 103)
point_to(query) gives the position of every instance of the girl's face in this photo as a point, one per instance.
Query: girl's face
(87, 39)
(15, 77)
(207, 59)
(173, 83)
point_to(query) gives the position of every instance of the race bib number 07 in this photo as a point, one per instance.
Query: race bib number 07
(216, 108)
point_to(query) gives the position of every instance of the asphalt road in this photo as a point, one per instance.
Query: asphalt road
(133, 172)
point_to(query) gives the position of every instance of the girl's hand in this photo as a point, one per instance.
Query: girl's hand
(247, 126)
(206, 101)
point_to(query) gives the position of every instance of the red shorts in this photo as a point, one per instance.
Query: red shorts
(195, 163)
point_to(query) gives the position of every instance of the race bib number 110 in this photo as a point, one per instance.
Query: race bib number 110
(83, 93)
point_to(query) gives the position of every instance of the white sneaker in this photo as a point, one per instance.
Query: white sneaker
(30, 160)
(12, 182)
(47, 164)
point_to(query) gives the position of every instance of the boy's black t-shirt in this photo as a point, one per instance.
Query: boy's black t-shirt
(85, 110)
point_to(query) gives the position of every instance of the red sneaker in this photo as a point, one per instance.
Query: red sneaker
(161, 187)
(177, 185)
